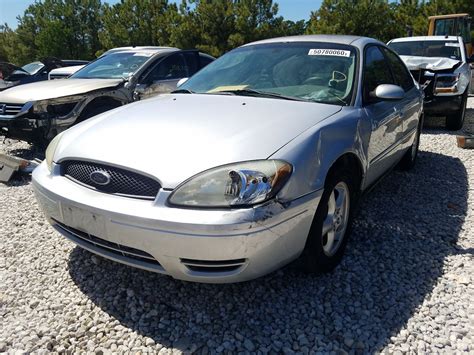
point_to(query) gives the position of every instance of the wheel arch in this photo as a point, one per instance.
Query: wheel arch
(104, 100)
(351, 161)
(97, 102)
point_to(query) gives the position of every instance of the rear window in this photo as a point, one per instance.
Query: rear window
(443, 49)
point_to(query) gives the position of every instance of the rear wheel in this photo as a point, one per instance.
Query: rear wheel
(409, 159)
(456, 120)
(331, 225)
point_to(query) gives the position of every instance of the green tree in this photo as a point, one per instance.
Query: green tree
(60, 28)
(138, 22)
(371, 18)
(7, 37)
(220, 25)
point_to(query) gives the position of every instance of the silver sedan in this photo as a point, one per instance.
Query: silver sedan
(258, 159)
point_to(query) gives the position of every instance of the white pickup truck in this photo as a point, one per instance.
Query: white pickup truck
(441, 66)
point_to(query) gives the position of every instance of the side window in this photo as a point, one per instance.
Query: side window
(205, 60)
(444, 27)
(192, 61)
(466, 30)
(172, 67)
(376, 71)
(399, 71)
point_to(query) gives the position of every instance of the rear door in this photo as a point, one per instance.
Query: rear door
(384, 118)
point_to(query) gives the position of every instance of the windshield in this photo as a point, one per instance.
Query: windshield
(113, 66)
(440, 49)
(319, 72)
(33, 68)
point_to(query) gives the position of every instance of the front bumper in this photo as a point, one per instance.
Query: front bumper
(202, 245)
(442, 105)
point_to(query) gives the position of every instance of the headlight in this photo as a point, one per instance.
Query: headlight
(233, 185)
(57, 107)
(51, 150)
(446, 83)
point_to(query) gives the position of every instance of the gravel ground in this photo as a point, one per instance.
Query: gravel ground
(405, 284)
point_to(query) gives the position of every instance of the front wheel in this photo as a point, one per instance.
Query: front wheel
(455, 121)
(331, 225)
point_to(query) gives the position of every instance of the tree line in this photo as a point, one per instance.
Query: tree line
(84, 29)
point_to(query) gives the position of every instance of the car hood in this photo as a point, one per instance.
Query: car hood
(173, 137)
(43, 90)
(429, 63)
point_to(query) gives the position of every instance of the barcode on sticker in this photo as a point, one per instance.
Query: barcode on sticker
(330, 52)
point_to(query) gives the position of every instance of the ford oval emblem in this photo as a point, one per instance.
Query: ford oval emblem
(100, 177)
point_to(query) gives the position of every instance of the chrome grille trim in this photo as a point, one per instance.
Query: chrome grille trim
(11, 109)
(122, 182)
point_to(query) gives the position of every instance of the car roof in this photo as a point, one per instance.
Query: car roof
(141, 49)
(356, 41)
(425, 38)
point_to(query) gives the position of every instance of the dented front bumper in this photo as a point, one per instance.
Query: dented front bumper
(202, 245)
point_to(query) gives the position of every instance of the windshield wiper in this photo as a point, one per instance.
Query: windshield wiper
(257, 93)
(182, 91)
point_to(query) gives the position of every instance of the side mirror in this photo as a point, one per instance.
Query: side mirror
(181, 82)
(470, 60)
(139, 91)
(388, 92)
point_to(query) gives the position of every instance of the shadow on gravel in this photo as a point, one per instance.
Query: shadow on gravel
(407, 226)
(29, 153)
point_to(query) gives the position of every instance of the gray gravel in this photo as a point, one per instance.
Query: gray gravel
(405, 284)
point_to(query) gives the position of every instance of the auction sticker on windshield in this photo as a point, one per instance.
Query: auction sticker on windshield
(330, 52)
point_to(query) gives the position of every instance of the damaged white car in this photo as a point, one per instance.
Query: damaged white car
(37, 112)
(441, 66)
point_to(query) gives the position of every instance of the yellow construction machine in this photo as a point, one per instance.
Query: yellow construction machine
(452, 25)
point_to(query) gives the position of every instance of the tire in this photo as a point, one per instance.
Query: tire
(455, 121)
(409, 159)
(319, 256)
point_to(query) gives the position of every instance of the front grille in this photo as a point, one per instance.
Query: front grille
(213, 266)
(122, 182)
(10, 109)
(95, 243)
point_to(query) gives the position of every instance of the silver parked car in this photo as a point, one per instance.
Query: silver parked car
(256, 160)
(36, 112)
(441, 66)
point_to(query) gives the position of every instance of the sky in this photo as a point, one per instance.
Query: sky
(289, 9)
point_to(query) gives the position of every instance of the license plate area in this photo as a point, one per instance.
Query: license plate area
(83, 220)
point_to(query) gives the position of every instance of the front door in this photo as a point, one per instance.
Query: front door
(163, 78)
(385, 119)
